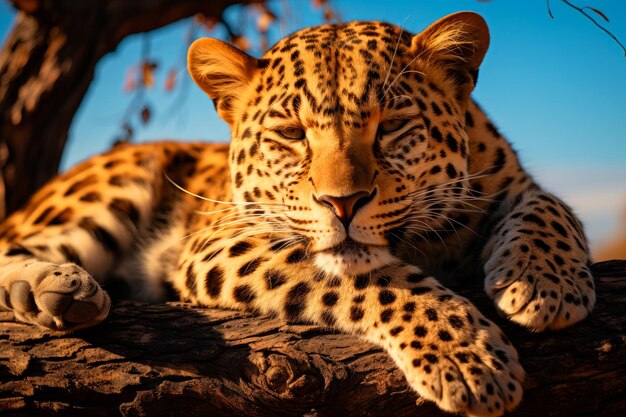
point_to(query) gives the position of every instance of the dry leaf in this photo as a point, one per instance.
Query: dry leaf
(146, 114)
(209, 23)
(147, 73)
(170, 80)
(598, 12)
(241, 42)
(265, 20)
(329, 15)
(147, 77)
(28, 6)
(130, 79)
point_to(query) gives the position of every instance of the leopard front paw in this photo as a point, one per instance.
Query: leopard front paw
(536, 291)
(471, 368)
(58, 297)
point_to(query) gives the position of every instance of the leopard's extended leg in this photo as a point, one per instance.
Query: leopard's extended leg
(73, 232)
(449, 352)
(537, 264)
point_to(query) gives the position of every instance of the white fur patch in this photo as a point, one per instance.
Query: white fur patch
(353, 262)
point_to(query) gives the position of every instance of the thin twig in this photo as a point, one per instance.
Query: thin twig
(588, 16)
(549, 10)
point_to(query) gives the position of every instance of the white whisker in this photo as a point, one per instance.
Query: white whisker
(243, 203)
(393, 58)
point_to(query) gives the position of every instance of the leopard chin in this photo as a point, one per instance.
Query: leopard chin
(353, 259)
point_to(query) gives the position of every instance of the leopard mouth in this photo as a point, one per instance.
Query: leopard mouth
(350, 246)
(352, 258)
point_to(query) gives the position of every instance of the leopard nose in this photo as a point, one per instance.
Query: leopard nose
(345, 208)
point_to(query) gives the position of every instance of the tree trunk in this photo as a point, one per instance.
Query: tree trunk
(46, 66)
(176, 359)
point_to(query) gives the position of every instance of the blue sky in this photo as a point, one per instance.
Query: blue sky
(555, 87)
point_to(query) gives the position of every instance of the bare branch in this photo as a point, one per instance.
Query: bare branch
(549, 10)
(583, 11)
(156, 360)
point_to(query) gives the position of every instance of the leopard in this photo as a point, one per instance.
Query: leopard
(361, 185)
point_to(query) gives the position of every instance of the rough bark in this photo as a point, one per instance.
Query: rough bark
(175, 359)
(46, 65)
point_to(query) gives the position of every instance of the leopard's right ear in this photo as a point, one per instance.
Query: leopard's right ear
(221, 70)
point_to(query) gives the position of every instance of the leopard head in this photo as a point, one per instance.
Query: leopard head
(349, 136)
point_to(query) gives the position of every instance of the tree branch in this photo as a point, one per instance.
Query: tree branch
(160, 359)
(46, 65)
(582, 10)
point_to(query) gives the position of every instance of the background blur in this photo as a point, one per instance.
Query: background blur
(555, 87)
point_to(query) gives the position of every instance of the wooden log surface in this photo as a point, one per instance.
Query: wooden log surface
(177, 359)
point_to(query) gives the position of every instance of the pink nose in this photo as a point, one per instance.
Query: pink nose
(346, 207)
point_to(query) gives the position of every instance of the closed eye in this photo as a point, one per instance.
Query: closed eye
(391, 125)
(290, 132)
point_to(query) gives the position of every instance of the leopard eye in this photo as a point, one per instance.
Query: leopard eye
(291, 133)
(391, 125)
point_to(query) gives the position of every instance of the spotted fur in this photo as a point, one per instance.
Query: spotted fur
(360, 179)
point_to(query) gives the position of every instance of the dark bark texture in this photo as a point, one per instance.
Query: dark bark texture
(46, 65)
(176, 359)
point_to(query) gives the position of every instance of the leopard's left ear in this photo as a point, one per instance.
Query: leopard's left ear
(458, 43)
(221, 70)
